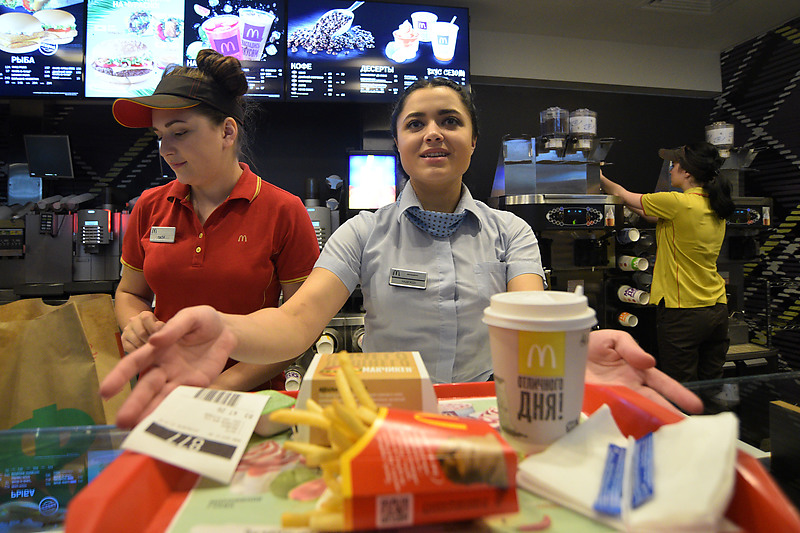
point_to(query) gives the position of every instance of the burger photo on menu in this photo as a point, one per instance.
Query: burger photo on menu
(59, 25)
(20, 33)
(123, 60)
(28, 5)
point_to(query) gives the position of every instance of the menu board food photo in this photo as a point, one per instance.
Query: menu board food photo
(41, 47)
(371, 51)
(252, 31)
(129, 43)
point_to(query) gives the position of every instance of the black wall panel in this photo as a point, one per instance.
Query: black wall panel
(761, 98)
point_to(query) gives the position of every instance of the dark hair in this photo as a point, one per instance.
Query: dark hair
(226, 73)
(702, 161)
(463, 93)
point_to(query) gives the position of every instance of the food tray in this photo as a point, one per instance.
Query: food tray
(139, 494)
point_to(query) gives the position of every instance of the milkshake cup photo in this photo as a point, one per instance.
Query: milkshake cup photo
(423, 22)
(443, 40)
(539, 342)
(224, 35)
(630, 263)
(256, 25)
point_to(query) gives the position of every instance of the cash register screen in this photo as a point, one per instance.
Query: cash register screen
(372, 180)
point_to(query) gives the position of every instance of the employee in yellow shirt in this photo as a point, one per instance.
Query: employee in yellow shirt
(692, 315)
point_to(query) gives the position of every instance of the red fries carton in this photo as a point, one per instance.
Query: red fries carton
(392, 379)
(415, 468)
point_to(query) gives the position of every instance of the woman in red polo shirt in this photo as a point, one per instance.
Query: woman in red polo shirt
(218, 234)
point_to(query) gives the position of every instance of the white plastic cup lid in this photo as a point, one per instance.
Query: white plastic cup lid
(540, 311)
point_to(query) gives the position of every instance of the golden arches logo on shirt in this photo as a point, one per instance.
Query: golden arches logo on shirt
(541, 353)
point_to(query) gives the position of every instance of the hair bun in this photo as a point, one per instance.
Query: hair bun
(226, 71)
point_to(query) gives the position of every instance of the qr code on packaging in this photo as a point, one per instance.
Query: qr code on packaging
(394, 510)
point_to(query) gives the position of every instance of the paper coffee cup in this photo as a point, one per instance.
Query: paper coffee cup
(539, 343)
(630, 263)
(628, 235)
(628, 294)
(628, 320)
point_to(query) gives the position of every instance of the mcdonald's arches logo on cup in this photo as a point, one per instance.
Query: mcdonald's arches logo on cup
(541, 353)
(224, 34)
(627, 262)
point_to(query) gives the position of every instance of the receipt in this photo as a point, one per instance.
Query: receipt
(202, 430)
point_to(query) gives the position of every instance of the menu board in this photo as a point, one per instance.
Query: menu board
(371, 51)
(41, 47)
(252, 31)
(129, 43)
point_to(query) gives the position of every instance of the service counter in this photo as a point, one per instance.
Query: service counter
(139, 494)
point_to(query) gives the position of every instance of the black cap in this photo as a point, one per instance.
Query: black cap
(174, 92)
(678, 155)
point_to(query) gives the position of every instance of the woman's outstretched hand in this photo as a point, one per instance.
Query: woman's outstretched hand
(190, 349)
(616, 359)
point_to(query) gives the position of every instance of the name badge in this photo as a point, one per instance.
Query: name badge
(408, 278)
(162, 234)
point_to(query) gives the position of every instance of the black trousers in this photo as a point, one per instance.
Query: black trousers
(692, 343)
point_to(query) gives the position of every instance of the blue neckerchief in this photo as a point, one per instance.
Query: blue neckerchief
(433, 222)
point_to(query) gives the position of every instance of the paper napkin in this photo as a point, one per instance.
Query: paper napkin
(694, 472)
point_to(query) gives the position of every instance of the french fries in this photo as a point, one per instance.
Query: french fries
(345, 422)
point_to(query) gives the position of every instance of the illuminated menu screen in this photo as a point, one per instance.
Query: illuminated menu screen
(252, 31)
(41, 50)
(131, 42)
(371, 51)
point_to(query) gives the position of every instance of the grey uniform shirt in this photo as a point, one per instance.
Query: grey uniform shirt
(442, 321)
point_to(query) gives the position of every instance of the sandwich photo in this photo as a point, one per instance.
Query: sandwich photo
(124, 61)
(59, 25)
(29, 5)
(20, 33)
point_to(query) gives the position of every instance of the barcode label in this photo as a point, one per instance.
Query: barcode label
(191, 443)
(223, 397)
(394, 510)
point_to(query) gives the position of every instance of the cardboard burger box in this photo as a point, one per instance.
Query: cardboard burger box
(393, 379)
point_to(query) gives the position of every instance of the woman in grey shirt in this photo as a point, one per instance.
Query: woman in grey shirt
(427, 265)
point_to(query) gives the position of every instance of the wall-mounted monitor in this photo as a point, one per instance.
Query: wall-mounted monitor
(41, 51)
(49, 156)
(251, 30)
(371, 51)
(371, 179)
(129, 43)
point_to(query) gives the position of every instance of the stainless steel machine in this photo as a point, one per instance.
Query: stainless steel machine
(553, 183)
(60, 249)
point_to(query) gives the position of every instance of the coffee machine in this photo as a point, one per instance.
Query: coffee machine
(553, 183)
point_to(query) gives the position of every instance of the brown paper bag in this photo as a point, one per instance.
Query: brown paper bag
(52, 359)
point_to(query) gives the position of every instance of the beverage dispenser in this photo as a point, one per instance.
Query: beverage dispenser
(583, 128)
(553, 183)
(554, 127)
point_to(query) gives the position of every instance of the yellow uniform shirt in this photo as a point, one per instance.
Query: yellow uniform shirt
(689, 235)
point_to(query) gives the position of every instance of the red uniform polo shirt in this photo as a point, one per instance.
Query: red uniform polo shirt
(259, 237)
